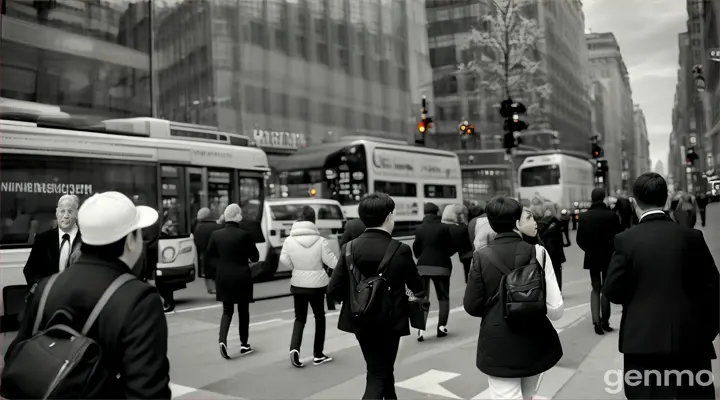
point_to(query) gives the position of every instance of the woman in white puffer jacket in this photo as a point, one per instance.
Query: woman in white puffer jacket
(308, 254)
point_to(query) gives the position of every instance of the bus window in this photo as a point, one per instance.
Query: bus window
(219, 191)
(251, 198)
(396, 189)
(440, 191)
(174, 207)
(543, 175)
(346, 174)
(31, 186)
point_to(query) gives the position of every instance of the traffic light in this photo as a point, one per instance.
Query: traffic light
(512, 111)
(466, 129)
(601, 168)
(424, 125)
(596, 151)
(691, 156)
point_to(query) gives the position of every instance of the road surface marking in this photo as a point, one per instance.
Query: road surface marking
(429, 383)
(184, 310)
(269, 321)
(550, 384)
(180, 390)
(577, 306)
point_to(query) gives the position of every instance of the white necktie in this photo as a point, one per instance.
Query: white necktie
(64, 252)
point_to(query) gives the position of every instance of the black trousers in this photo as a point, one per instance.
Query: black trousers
(317, 303)
(599, 304)
(442, 291)
(466, 262)
(243, 310)
(667, 377)
(702, 216)
(380, 351)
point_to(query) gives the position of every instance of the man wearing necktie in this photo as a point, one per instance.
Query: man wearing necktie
(51, 250)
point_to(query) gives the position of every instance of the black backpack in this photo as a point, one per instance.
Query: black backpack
(58, 362)
(370, 301)
(522, 290)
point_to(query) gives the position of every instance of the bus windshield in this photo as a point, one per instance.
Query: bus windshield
(346, 174)
(291, 212)
(543, 175)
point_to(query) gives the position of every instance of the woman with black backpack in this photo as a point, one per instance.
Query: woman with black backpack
(514, 349)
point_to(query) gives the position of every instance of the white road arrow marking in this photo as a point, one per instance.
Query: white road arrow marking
(429, 383)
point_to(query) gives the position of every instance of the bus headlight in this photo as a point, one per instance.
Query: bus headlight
(168, 255)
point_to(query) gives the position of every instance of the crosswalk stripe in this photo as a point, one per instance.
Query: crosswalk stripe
(180, 390)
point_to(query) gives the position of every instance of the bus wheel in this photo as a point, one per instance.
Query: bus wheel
(168, 304)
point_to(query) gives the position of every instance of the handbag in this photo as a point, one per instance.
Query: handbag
(328, 270)
(418, 311)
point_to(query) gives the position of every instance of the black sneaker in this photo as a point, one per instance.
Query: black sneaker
(321, 360)
(295, 359)
(223, 351)
(442, 331)
(599, 329)
(607, 328)
(245, 349)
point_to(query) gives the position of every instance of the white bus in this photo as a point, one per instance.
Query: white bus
(559, 178)
(354, 166)
(42, 161)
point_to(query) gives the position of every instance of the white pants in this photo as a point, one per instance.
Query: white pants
(514, 388)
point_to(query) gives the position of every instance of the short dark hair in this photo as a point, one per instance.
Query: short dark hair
(108, 251)
(650, 190)
(431, 208)
(375, 208)
(503, 213)
(307, 214)
(597, 195)
(475, 210)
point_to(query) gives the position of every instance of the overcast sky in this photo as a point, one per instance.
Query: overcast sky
(647, 31)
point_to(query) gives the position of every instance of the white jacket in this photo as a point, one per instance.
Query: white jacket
(483, 233)
(305, 252)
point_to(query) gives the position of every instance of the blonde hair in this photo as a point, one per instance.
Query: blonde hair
(449, 215)
(462, 213)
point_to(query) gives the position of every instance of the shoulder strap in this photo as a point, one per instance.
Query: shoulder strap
(114, 286)
(389, 252)
(496, 261)
(43, 301)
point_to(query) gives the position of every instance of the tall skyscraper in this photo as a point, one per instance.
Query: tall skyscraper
(293, 73)
(608, 67)
(660, 167)
(642, 144)
(92, 58)
(459, 96)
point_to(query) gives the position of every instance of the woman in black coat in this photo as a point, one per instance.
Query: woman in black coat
(229, 253)
(551, 237)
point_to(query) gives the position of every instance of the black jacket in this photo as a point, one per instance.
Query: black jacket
(434, 244)
(201, 236)
(550, 232)
(368, 250)
(229, 252)
(595, 236)
(666, 279)
(132, 329)
(461, 237)
(353, 229)
(45, 255)
(504, 350)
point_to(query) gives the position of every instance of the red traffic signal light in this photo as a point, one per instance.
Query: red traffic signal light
(470, 130)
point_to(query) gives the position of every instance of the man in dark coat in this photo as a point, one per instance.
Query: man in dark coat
(664, 276)
(204, 227)
(229, 252)
(702, 202)
(379, 344)
(433, 246)
(353, 229)
(595, 236)
(52, 249)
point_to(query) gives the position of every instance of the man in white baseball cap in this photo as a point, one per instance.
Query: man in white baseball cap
(131, 329)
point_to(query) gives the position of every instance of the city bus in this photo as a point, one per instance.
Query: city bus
(171, 167)
(353, 166)
(559, 178)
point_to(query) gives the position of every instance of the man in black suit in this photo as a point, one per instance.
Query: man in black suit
(353, 229)
(664, 276)
(598, 227)
(379, 343)
(52, 249)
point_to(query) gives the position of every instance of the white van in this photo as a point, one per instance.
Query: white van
(279, 216)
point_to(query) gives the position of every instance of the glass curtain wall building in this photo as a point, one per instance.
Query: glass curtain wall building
(92, 58)
(291, 73)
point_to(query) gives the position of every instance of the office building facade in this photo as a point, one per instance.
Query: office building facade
(642, 144)
(90, 58)
(710, 27)
(459, 95)
(292, 73)
(607, 67)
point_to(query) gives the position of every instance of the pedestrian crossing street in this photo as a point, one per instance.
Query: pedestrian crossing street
(433, 370)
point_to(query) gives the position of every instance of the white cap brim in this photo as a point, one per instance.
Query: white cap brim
(145, 216)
